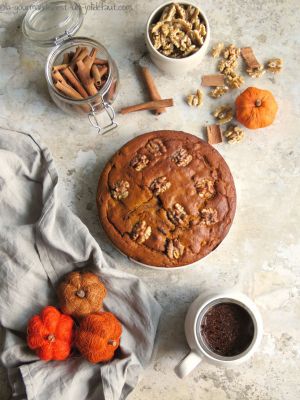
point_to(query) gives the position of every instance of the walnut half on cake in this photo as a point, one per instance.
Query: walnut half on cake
(166, 199)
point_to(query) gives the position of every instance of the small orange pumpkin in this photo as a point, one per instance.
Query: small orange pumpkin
(81, 294)
(50, 334)
(256, 108)
(98, 336)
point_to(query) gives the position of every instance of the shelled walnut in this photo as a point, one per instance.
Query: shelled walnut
(205, 187)
(217, 50)
(182, 158)
(234, 134)
(141, 232)
(231, 52)
(219, 91)
(256, 72)
(139, 162)
(274, 65)
(156, 147)
(195, 100)
(179, 32)
(120, 190)
(223, 114)
(227, 66)
(209, 216)
(174, 249)
(177, 214)
(234, 80)
(160, 185)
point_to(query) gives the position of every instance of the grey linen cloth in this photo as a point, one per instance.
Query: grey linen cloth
(40, 241)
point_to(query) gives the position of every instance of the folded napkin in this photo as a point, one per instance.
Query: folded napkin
(40, 241)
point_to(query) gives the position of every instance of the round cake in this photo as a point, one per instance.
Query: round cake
(166, 199)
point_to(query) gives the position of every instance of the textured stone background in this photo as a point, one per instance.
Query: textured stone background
(261, 254)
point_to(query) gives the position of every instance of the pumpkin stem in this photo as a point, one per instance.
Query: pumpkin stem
(258, 103)
(112, 342)
(51, 338)
(80, 293)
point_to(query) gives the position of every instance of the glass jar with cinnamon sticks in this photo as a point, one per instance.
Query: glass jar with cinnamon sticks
(82, 77)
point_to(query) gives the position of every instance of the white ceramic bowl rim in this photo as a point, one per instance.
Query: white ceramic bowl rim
(243, 302)
(150, 19)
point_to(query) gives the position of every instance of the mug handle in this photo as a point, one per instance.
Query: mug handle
(187, 365)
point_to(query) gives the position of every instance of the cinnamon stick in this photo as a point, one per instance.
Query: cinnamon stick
(152, 89)
(96, 76)
(68, 91)
(89, 59)
(66, 58)
(80, 56)
(102, 70)
(70, 75)
(85, 77)
(77, 52)
(59, 67)
(214, 134)
(71, 55)
(150, 105)
(99, 61)
(249, 57)
(57, 77)
(213, 80)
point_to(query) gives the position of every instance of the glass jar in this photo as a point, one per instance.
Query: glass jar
(53, 23)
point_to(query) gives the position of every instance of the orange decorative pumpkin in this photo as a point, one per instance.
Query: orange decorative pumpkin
(98, 337)
(256, 108)
(81, 294)
(50, 334)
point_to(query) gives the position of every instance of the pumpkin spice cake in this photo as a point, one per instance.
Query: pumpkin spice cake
(166, 199)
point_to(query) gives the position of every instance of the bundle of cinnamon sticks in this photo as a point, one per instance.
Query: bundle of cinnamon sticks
(81, 74)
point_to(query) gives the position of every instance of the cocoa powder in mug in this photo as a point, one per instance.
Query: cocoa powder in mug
(227, 329)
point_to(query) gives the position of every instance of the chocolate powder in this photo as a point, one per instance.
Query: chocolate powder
(227, 329)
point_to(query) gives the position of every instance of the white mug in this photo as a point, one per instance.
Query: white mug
(199, 350)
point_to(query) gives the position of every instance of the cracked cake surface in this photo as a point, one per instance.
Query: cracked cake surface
(166, 199)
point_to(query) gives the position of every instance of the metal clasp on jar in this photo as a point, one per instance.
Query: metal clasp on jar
(94, 120)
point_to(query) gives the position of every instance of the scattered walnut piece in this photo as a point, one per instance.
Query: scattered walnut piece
(141, 232)
(234, 134)
(218, 91)
(120, 190)
(209, 216)
(217, 50)
(160, 185)
(234, 80)
(174, 249)
(177, 214)
(139, 162)
(182, 158)
(179, 32)
(231, 52)
(156, 147)
(223, 114)
(256, 72)
(195, 100)
(227, 67)
(274, 65)
(205, 187)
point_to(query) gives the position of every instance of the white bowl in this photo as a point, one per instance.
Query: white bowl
(176, 66)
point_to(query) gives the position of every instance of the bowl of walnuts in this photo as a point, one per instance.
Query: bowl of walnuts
(177, 37)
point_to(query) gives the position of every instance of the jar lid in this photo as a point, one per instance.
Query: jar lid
(50, 22)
